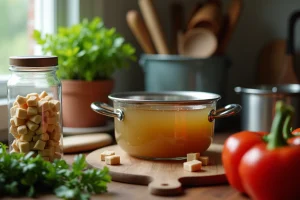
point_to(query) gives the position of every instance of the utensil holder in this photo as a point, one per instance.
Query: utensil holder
(180, 73)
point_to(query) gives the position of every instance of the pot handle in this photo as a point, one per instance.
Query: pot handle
(229, 110)
(107, 110)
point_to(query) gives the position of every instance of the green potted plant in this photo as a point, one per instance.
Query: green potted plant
(88, 55)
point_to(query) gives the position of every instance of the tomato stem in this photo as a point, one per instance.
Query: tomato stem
(280, 122)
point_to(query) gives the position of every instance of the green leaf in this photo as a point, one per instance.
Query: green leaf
(119, 42)
(38, 37)
(29, 155)
(3, 148)
(79, 163)
(31, 191)
(65, 192)
(12, 188)
(84, 196)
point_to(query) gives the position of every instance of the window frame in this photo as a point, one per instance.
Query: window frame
(48, 15)
(46, 21)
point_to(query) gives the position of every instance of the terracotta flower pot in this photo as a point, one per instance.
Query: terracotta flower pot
(77, 97)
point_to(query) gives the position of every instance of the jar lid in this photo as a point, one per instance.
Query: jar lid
(33, 61)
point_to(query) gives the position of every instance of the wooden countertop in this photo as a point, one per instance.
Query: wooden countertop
(129, 191)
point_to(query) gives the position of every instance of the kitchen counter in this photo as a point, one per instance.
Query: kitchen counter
(129, 191)
(124, 191)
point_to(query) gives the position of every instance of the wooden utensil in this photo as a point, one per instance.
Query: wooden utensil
(276, 61)
(177, 24)
(154, 26)
(140, 31)
(274, 66)
(164, 178)
(233, 15)
(270, 62)
(194, 11)
(208, 16)
(198, 43)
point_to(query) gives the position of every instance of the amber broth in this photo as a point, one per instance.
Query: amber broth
(164, 133)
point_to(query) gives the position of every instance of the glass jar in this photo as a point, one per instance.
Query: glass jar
(34, 104)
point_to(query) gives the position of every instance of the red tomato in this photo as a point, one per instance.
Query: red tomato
(271, 174)
(234, 148)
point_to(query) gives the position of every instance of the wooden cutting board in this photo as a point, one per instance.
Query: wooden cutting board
(86, 142)
(164, 178)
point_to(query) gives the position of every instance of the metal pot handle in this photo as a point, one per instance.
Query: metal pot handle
(229, 110)
(107, 110)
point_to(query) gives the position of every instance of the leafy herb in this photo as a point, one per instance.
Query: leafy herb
(87, 51)
(27, 175)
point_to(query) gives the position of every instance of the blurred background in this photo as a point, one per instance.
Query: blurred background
(259, 23)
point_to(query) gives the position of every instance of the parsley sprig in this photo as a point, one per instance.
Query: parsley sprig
(25, 175)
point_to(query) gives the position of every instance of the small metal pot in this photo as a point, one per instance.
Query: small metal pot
(164, 125)
(259, 105)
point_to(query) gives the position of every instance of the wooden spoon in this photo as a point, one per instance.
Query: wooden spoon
(233, 16)
(140, 31)
(154, 26)
(208, 16)
(194, 11)
(199, 43)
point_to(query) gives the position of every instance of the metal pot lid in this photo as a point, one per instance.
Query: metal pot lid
(286, 89)
(170, 97)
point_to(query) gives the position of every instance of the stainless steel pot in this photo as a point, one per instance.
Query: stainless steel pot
(164, 125)
(259, 104)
